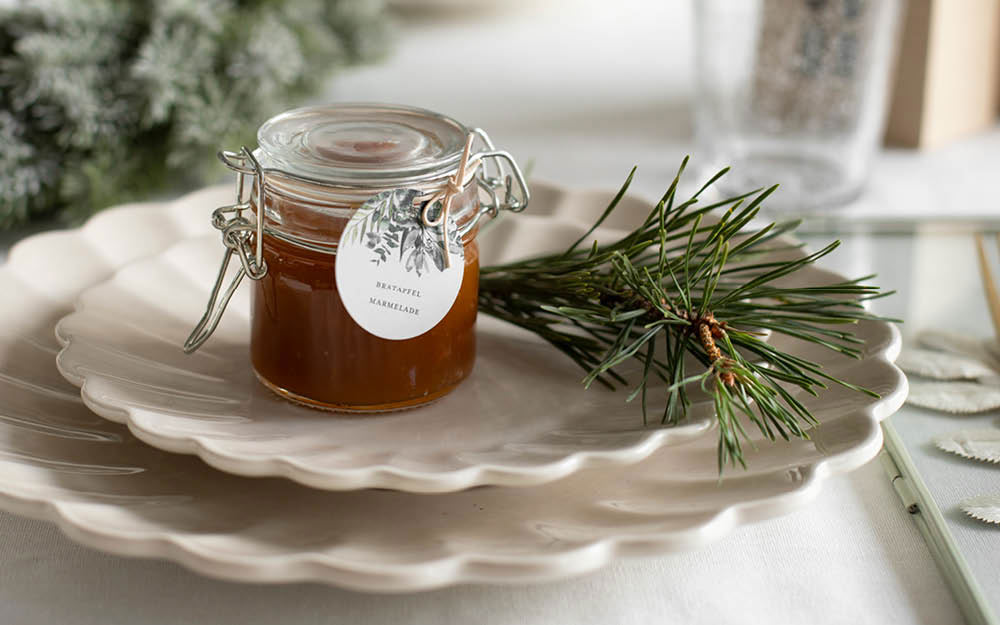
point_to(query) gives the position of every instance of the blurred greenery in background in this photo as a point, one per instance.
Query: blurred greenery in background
(104, 101)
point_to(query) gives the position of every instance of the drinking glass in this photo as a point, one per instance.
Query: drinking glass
(794, 92)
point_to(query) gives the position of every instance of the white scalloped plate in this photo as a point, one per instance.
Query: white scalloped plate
(108, 490)
(122, 346)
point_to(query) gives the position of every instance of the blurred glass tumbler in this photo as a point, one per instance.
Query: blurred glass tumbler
(794, 92)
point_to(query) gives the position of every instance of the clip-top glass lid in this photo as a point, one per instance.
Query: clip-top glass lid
(360, 142)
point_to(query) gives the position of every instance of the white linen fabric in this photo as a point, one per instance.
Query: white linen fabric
(851, 557)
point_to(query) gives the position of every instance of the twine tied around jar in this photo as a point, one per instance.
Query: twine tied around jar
(452, 187)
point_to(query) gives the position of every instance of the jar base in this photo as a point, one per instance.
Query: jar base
(353, 408)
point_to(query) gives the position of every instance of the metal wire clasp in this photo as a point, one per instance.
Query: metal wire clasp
(237, 232)
(497, 178)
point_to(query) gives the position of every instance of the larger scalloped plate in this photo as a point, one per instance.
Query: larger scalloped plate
(107, 489)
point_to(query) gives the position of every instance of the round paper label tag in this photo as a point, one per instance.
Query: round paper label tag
(391, 270)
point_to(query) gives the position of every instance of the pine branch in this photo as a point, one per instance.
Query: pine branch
(682, 286)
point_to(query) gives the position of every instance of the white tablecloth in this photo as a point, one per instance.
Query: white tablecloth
(852, 557)
(584, 89)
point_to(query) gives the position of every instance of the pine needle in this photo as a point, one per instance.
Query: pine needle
(707, 287)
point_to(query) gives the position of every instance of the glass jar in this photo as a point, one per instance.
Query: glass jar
(408, 187)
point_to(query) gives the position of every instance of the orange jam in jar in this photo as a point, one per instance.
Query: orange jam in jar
(393, 195)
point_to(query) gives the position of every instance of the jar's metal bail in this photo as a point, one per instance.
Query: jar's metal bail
(505, 172)
(497, 177)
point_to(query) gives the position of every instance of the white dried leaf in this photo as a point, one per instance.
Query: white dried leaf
(984, 507)
(977, 444)
(954, 397)
(942, 365)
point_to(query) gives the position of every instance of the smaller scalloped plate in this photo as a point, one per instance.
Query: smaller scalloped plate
(521, 419)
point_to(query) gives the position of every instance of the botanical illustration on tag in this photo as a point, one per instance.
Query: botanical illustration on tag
(392, 272)
(394, 224)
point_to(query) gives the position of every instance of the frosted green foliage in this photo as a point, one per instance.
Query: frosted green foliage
(104, 101)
